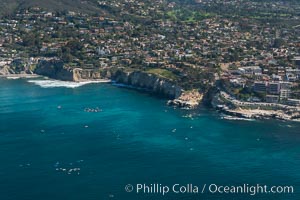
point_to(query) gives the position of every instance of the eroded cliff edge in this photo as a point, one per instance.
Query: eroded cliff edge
(150, 82)
(57, 70)
(139, 79)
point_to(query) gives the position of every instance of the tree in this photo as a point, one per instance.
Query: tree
(66, 54)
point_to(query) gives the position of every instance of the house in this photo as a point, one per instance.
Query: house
(274, 87)
(296, 61)
(285, 93)
(251, 70)
(260, 86)
(293, 102)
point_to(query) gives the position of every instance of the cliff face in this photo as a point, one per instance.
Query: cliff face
(149, 82)
(81, 75)
(16, 66)
(6, 70)
(54, 69)
(57, 70)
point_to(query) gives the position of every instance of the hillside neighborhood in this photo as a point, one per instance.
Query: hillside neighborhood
(252, 55)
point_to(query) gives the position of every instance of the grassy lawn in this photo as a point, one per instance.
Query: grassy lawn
(162, 73)
(188, 16)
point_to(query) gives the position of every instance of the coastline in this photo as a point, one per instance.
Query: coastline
(17, 76)
(228, 105)
(187, 99)
(260, 114)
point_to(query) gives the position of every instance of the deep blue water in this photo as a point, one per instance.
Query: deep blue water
(135, 139)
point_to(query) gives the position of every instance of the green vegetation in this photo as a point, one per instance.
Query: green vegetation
(9, 6)
(163, 73)
(182, 40)
(186, 15)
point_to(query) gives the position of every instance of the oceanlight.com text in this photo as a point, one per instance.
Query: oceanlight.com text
(161, 189)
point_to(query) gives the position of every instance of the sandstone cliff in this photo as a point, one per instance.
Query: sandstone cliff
(6, 70)
(149, 82)
(57, 70)
(54, 69)
(85, 74)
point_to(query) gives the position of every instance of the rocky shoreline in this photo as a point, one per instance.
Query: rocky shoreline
(184, 99)
(55, 69)
(249, 110)
(187, 99)
(149, 82)
(191, 99)
(262, 114)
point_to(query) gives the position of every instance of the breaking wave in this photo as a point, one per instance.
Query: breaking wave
(68, 84)
(13, 77)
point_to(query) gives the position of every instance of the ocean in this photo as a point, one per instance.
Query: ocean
(51, 147)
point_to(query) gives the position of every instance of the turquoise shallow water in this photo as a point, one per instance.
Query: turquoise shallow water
(135, 139)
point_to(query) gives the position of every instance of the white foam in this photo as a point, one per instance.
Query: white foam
(18, 76)
(236, 118)
(13, 77)
(68, 84)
